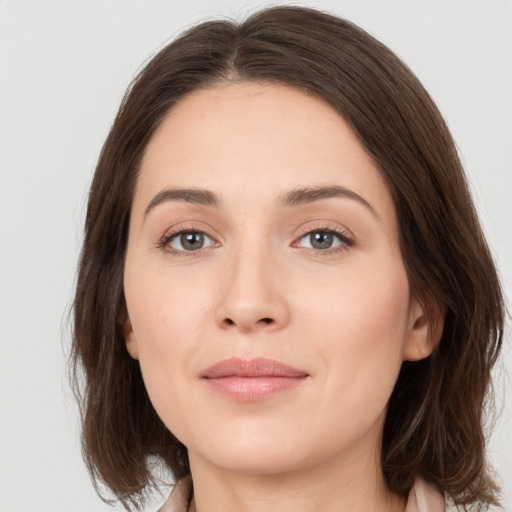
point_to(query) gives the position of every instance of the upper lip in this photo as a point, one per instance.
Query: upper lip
(258, 367)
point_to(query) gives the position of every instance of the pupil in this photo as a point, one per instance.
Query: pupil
(191, 241)
(321, 240)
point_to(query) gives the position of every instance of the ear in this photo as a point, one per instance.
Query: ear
(426, 322)
(129, 339)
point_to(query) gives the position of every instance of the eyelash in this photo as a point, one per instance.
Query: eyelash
(346, 241)
(170, 236)
(344, 238)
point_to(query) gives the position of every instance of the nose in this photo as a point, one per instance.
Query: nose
(252, 295)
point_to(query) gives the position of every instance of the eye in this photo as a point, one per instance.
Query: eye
(324, 239)
(187, 241)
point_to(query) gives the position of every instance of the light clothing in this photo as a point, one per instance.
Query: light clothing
(180, 497)
(425, 498)
(422, 498)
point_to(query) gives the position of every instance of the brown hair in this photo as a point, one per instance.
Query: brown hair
(433, 427)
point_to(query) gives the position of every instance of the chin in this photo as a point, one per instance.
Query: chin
(261, 453)
(255, 462)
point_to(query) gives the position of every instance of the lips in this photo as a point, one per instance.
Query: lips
(252, 380)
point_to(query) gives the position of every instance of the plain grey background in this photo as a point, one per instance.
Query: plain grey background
(63, 69)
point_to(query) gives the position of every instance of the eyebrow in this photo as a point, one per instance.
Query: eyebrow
(189, 195)
(311, 194)
(292, 198)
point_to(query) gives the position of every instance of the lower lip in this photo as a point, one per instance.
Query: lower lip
(252, 389)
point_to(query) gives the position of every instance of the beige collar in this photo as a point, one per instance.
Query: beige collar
(422, 498)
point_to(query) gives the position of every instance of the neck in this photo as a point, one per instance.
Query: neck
(332, 486)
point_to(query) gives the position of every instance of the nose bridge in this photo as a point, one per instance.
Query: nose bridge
(251, 296)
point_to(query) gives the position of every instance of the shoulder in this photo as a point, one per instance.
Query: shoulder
(180, 497)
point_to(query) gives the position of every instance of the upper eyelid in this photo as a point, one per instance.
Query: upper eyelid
(304, 230)
(186, 227)
(309, 229)
(323, 225)
(338, 232)
(344, 238)
(169, 238)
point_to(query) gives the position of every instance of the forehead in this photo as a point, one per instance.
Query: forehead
(257, 139)
(232, 115)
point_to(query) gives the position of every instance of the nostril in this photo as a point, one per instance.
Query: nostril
(265, 320)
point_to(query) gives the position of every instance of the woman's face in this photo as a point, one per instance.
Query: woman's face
(267, 299)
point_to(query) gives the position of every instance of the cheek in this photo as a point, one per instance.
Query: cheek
(166, 309)
(361, 330)
(166, 317)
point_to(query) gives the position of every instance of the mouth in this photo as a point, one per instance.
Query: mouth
(252, 380)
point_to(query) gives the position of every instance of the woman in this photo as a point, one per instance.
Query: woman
(284, 293)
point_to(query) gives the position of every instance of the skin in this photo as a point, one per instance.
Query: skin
(259, 288)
